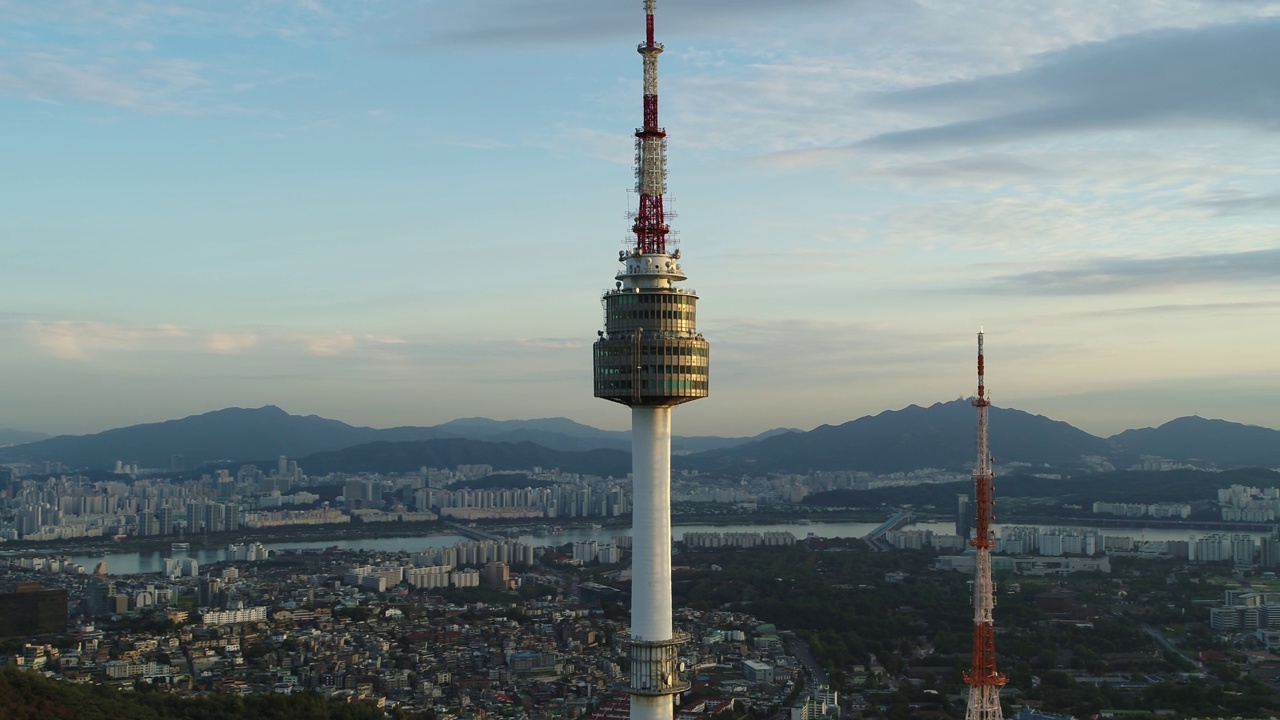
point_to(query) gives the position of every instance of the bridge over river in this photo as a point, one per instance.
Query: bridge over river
(896, 521)
(473, 533)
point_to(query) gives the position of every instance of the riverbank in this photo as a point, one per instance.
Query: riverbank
(356, 531)
(740, 521)
(217, 541)
(120, 559)
(1103, 522)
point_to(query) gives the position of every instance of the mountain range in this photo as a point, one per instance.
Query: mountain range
(245, 434)
(9, 436)
(402, 457)
(939, 436)
(1218, 442)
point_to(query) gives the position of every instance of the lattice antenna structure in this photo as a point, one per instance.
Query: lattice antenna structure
(650, 226)
(983, 679)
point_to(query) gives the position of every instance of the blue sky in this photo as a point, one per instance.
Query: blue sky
(404, 212)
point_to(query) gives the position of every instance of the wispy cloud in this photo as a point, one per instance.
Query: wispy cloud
(119, 53)
(830, 84)
(609, 146)
(80, 340)
(230, 343)
(1213, 308)
(977, 167)
(345, 343)
(146, 20)
(1051, 227)
(831, 349)
(385, 340)
(330, 344)
(159, 84)
(88, 340)
(1216, 75)
(1130, 274)
(551, 343)
(579, 22)
(1240, 204)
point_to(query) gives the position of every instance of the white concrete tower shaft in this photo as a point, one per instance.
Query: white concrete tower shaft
(655, 671)
(651, 523)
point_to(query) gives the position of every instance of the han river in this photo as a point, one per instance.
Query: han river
(152, 561)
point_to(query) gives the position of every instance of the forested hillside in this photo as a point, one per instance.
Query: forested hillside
(31, 696)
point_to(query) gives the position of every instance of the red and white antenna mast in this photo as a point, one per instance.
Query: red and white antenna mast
(983, 679)
(651, 154)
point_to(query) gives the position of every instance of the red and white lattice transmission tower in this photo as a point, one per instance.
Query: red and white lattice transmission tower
(983, 679)
(651, 154)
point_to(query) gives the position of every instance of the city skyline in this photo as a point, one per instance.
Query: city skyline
(396, 214)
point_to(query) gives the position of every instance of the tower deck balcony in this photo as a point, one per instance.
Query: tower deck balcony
(650, 352)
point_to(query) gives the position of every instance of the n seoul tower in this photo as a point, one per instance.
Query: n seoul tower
(983, 679)
(651, 358)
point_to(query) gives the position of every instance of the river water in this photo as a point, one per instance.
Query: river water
(151, 561)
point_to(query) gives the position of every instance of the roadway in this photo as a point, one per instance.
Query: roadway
(1165, 643)
(800, 649)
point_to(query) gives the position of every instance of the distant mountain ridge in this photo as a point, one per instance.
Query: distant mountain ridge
(404, 457)
(226, 435)
(242, 434)
(943, 436)
(559, 433)
(1223, 443)
(9, 436)
(939, 436)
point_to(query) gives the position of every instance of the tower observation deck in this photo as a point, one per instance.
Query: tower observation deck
(650, 353)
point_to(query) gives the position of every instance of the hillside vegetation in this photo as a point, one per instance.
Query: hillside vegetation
(31, 696)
